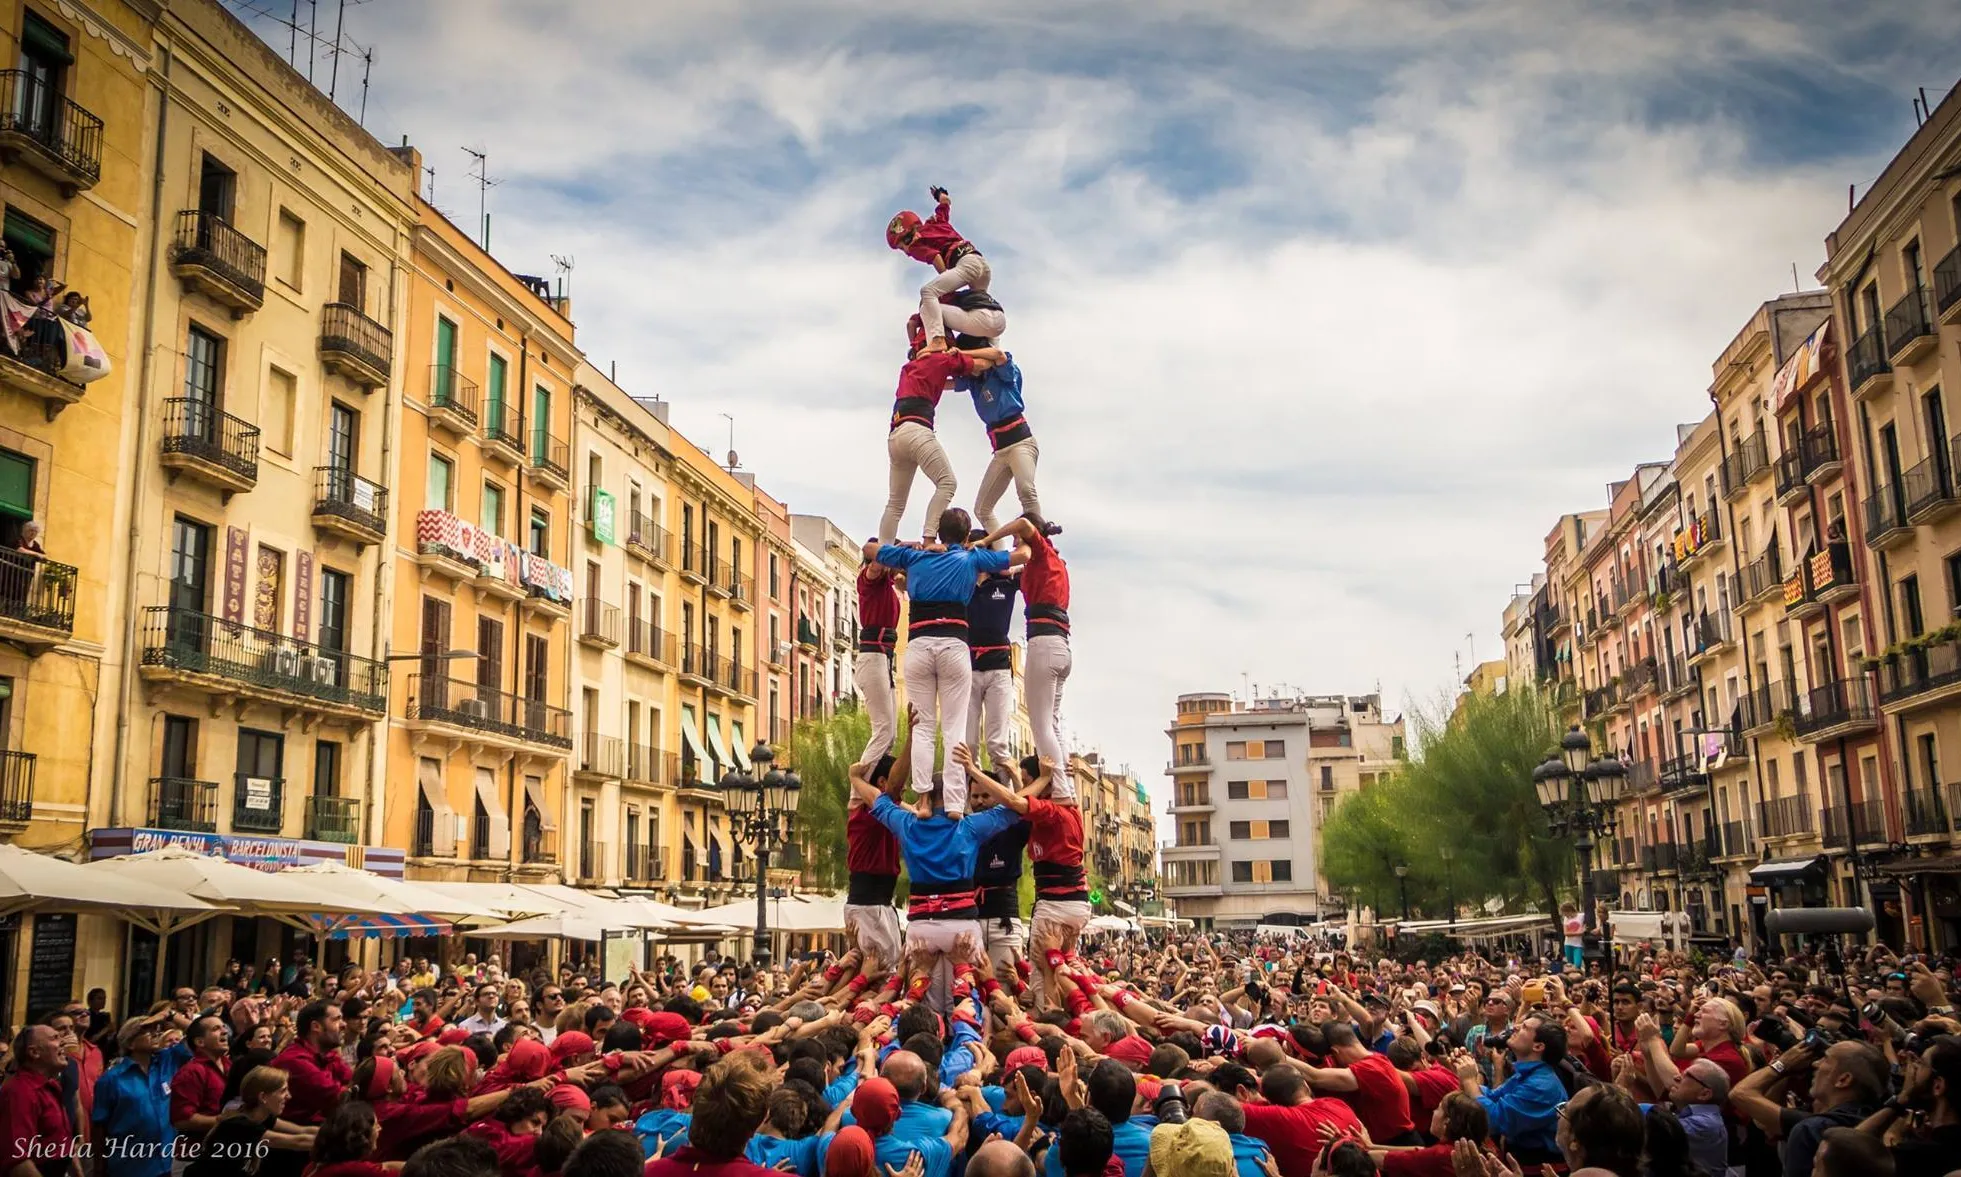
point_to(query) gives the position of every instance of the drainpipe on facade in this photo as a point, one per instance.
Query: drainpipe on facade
(130, 610)
(382, 624)
(1742, 640)
(514, 813)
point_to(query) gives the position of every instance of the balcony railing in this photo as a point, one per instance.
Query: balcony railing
(695, 560)
(487, 709)
(333, 819)
(210, 242)
(258, 803)
(550, 455)
(1698, 536)
(1866, 358)
(601, 755)
(644, 762)
(356, 341)
(1947, 282)
(646, 864)
(179, 803)
(451, 392)
(1786, 817)
(742, 587)
(197, 643)
(646, 639)
(592, 861)
(1750, 458)
(37, 592)
(1926, 813)
(1789, 479)
(422, 840)
(600, 622)
(197, 429)
(1907, 322)
(1917, 672)
(1642, 777)
(1928, 486)
(1886, 515)
(1708, 632)
(502, 422)
(347, 496)
(1737, 839)
(1762, 706)
(643, 533)
(36, 113)
(538, 846)
(1845, 703)
(1762, 576)
(16, 786)
(1863, 823)
(1819, 448)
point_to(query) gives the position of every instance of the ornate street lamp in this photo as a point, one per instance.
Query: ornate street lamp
(762, 812)
(1578, 792)
(1450, 885)
(1402, 888)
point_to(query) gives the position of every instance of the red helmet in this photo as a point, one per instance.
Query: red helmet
(903, 225)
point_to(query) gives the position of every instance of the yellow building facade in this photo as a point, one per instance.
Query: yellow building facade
(481, 734)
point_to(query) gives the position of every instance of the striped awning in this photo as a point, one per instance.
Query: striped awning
(389, 927)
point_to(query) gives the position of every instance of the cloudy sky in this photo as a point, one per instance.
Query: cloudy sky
(1327, 308)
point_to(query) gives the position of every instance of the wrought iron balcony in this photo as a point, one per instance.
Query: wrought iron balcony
(695, 562)
(453, 400)
(179, 803)
(209, 445)
(1789, 480)
(646, 640)
(551, 459)
(224, 657)
(1819, 450)
(1926, 813)
(16, 786)
(1708, 634)
(1886, 518)
(599, 623)
(503, 429)
(1739, 840)
(258, 803)
(1836, 709)
(347, 504)
(43, 129)
(1787, 817)
(1921, 675)
(1700, 536)
(211, 256)
(601, 756)
(1865, 360)
(487, 711)
(538, 847)
(37, 600)
(37, 367)
(1764, 705)
(645, 536)
(1947, 286)
(333, 819)
(355, 346)
(1929, 488)
(1909, 327)
(1762, 579)
(742, 589)
(1845, 827)
(1745, 464)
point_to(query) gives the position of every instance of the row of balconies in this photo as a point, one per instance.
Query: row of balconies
(216, 448)
(456, 405)
(1926, 493)
(703, 567)
(256, 805)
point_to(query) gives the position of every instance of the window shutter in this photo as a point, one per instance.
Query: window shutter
(16, 485)
(44, 40)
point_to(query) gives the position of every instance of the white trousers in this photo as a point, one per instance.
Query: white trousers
(872, 674)
(911, 448)
(987, 323)
(971, 271)
(939, 676)
(940, 935)
(991, 701)
(1016, 464)
(875, 929)
(1006, 939)
(1046, 670)
(1054, 923)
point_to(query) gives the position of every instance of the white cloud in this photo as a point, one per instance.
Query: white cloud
(1461, 266)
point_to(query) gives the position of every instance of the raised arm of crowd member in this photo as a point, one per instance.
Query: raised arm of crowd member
(1760, 1097)
(1662, 1069)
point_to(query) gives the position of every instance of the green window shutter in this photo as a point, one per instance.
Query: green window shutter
(29, 235)
(16, 485)
(44, 41)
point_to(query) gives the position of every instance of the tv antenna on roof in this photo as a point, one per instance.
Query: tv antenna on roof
(733, 464)
(480, 172)
(564, 265)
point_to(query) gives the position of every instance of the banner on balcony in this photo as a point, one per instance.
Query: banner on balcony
(86, 359)
(604, 511)
(548, 578)
(1798, 370)
(238, 567)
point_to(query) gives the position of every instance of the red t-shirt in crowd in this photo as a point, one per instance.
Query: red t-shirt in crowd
(1130, 1050)
(869, 848)
(1433, 1161)
(198, 1089)
(315, 1081)
(33, 1122)
(690, 1162)
(1432, 1084)
(1725, 1055)
(1293, 1134)
(878, 601)
(407, 1124)
(1380, 1100)
(1045, 578)
(1598, 1059)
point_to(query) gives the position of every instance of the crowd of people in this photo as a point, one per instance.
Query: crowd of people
(1196, 1054)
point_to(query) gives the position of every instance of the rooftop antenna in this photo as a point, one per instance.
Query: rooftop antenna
(564, 264)
(293, 35)
(430, 171)
(1795, 286)
(340, 25)
(733, 464)
(480, 162)
(312, 34)
(367, 67)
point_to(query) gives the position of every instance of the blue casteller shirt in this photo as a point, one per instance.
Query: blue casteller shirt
(842, 1088)
(662, 1124)
(917, 1121)
(996, 392)
(1524, 1109)
(806, 1156)
(891, 1151)
(939, 849)
(132, 1108)
(1249, 1156)
(942, 576)
(1133, 1141)
(957, 1061)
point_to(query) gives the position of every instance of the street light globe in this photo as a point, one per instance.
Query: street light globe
(1551, 780)
(1604, 779)
(1401, 870)
(1575, 749)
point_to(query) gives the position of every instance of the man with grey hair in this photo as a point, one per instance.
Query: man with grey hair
(807, 1012)
(1000, 1158)
(1250, 1157)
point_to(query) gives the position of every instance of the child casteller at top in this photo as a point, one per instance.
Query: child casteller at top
(963, 275)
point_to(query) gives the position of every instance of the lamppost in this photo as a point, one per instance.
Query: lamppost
(762, 812)
(1579, 799)
(1450, 885)
(1402, 888)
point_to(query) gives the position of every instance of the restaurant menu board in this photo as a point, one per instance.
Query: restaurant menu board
(51, 966)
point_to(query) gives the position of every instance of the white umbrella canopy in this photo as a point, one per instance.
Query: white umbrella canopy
(507, 900)
(30, 881)
(564, 925)
(793, 914)
(251, 892)
(668, 913)
(418, 898)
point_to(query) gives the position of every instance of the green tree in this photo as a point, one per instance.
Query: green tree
(822, 751)
(1468, 788)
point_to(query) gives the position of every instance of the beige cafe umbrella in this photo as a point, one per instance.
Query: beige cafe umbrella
(430, 913)
(506, 900)
(792, 914)
(41, 882)
(589, 924)
(250, 892)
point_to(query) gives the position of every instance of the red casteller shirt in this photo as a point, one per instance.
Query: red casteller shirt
(691, 1162)
(1045, 578)
(1433, 1161)
(315, 1080)
(1725, 1055)
(1380, 1100)
(870, 848)
(878, 601)
(33, 1122)
(1055, 832)
(198, 1089)
(409, 1123)
(1293, 1134)
(935, 238)
(927, 376)
(1432, 1084)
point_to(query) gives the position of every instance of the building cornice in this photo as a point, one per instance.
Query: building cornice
(468, 271)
